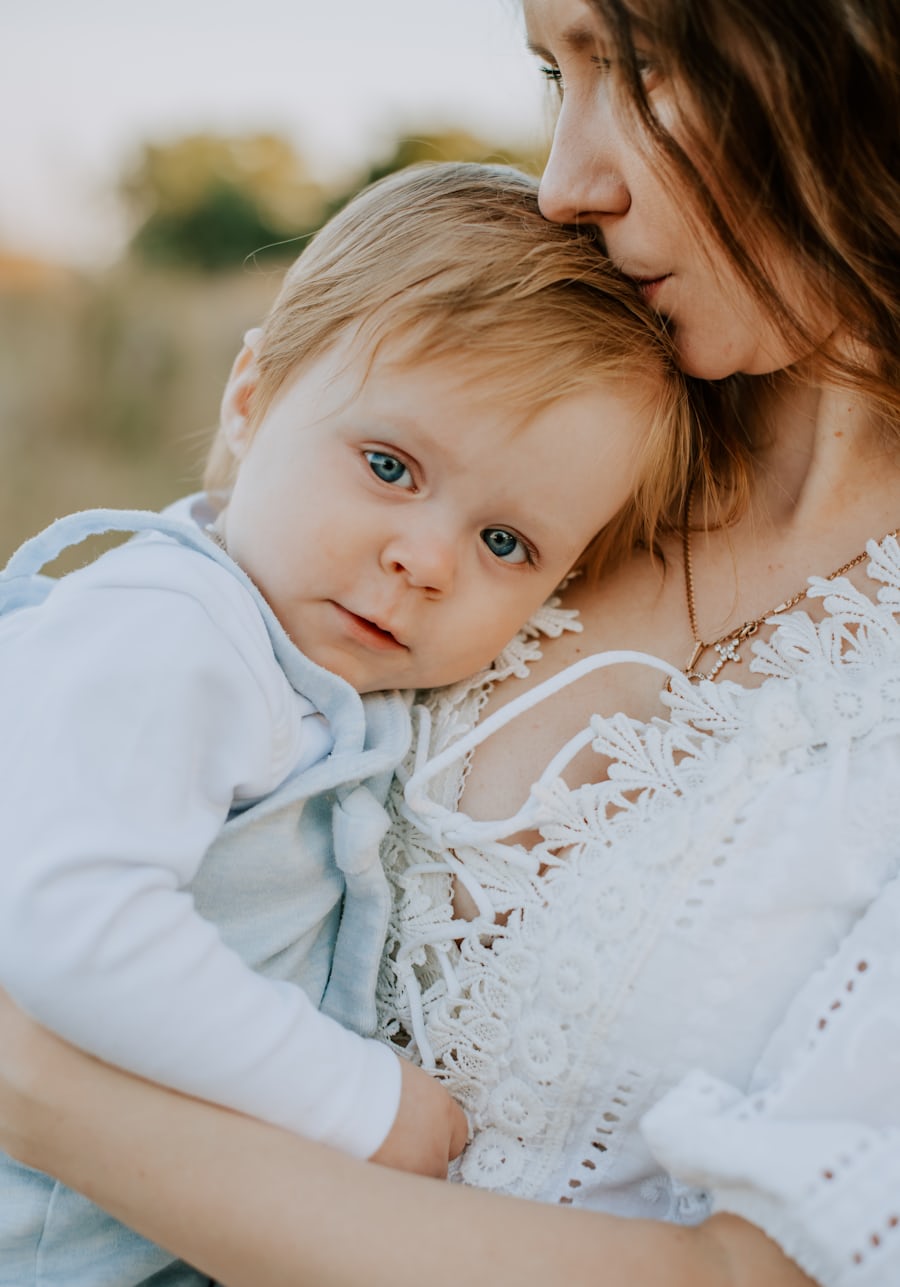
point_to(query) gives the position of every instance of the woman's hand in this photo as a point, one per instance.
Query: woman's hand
(30, 1059)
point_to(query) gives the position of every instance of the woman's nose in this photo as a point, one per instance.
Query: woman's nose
(581, 182)
(424, 555)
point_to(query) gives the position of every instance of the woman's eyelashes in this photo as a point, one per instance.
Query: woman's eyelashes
(390, 469)
(647, 69)
(506, 545)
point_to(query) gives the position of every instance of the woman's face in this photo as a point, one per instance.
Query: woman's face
(599, 172)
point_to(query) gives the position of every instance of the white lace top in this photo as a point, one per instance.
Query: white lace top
(687, 997)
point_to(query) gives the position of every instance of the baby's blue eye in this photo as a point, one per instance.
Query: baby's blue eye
(389, 469)
(506, 545)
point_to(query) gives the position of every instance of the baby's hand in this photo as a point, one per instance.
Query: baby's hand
(430, 1128)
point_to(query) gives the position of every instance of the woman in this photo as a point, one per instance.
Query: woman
(719, 846)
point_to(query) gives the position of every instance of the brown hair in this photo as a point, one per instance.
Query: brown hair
(793, 108)
(457, 259)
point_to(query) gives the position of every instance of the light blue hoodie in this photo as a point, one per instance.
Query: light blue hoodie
(293, 883)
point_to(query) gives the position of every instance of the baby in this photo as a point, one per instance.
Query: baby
(448, 402)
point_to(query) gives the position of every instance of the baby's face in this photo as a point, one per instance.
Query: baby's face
(403, 524)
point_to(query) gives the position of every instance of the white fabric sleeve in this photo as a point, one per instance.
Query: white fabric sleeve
(812, 1154)
(129, 721)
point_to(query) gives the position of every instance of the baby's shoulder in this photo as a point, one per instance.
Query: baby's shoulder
(182, 589)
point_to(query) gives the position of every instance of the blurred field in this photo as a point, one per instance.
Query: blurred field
(109, 385)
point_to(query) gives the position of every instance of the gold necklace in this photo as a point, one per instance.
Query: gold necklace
(728, 646)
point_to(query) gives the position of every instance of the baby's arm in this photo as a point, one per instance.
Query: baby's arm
(113, 782)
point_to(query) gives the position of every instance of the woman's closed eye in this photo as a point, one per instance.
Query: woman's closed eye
(507, 545)
(390, 469)
(648, 70)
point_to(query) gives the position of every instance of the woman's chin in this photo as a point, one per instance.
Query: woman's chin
(704, 361)
(705, 358)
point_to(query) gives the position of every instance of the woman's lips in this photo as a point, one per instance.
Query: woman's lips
(649, 286)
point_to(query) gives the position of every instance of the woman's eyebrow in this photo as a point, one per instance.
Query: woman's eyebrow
(577, 38)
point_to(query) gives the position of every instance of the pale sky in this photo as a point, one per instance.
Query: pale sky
(82, 82)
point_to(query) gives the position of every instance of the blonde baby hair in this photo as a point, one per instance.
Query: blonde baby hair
(455, 259)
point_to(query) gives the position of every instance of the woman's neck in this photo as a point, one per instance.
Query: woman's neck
(822, 461)
(824, 481)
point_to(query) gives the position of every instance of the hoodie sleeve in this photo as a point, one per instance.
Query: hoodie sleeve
(131, 719)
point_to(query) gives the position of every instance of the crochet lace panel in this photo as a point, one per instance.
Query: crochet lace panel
(511, 1009)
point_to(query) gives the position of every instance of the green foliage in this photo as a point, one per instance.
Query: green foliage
(208, 202)
(447, 145)
(220, 231)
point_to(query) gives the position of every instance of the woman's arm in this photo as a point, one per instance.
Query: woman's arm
(257, 1207)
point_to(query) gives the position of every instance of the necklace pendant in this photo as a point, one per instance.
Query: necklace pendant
(728, 650)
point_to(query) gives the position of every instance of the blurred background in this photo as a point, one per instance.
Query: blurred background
(161, 165)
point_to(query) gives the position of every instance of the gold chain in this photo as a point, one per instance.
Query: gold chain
(728, 645)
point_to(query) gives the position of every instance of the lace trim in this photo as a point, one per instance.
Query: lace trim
(422, 889)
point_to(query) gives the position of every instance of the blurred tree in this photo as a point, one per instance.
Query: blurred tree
(209, 201)
(448, 145)
(444, 145)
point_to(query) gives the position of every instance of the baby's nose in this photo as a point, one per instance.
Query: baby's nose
(425, 556)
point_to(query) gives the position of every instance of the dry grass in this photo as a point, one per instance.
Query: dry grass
(109, 387)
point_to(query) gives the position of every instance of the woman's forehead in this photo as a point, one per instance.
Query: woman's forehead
(569, 23)
(575, 25)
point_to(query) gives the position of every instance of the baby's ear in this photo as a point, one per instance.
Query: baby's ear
(238, 396)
